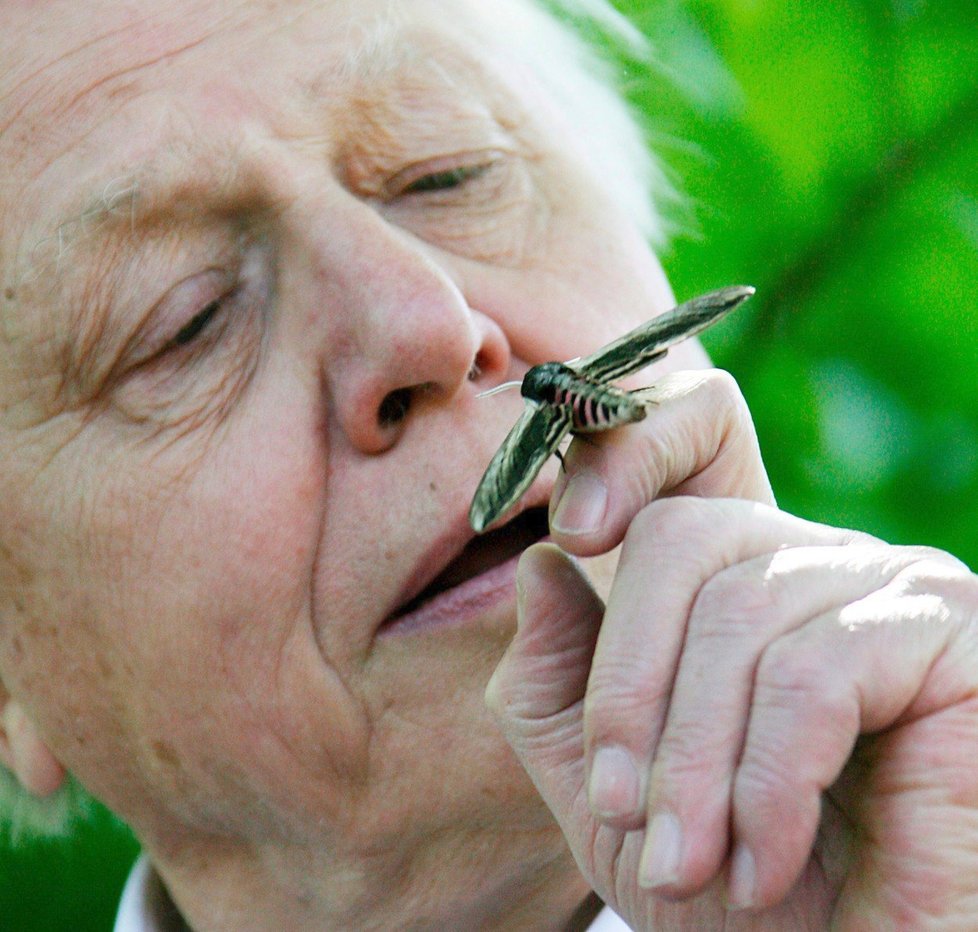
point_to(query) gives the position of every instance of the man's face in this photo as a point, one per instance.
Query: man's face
(257, 262)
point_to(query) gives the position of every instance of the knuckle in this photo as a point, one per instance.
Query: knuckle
(660, 520)
(690, 750)
(764, 772)
(734, 602)
(666, 521)
(724, 392)
(790, 672)
(768, 795)
(816, 699)
(719, 382)
(931, 568)
(935, 585)
(503, 699)
(620, 705)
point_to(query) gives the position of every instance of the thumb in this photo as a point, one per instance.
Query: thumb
(537, 691)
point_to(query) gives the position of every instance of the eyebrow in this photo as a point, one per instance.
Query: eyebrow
(132, 195)
(111, 203)
(126, 204)
(130, 199)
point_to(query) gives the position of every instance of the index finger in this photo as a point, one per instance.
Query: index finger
(697, 439)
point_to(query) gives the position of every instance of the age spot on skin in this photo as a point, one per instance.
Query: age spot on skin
(166, 755)
(13, 568)
(10, 294)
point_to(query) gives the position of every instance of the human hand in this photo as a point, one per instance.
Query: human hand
(787, 712)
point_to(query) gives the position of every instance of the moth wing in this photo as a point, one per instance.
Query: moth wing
(652, 340)
(517, 462)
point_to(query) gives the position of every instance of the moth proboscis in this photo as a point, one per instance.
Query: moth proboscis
(578, 397)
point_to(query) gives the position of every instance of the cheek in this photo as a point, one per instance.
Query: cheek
(595, 280)
(49, 635)
(169, 629)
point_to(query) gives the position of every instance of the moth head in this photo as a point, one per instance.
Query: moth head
(540, 383)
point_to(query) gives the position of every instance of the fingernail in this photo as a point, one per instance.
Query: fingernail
(613, 790)
(663, 852)
(743, 876)
(582, 505)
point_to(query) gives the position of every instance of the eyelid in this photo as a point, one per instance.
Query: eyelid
(399, 183)
(181, 303)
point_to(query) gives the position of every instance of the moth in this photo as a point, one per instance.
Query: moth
(578, 397)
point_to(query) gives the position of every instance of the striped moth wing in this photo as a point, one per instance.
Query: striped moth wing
(541, 427)
(517, 462)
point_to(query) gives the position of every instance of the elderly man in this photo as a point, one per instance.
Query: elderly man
(258, 260)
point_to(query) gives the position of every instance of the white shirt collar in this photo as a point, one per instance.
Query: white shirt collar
(608, 921)
(145, 906)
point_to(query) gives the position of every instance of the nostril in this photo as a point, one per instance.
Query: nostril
(394, 407)
(478, 364)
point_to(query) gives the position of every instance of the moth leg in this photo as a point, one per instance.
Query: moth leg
(559, 453)
(645, 395)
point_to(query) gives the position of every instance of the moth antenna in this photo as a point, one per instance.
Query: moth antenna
(499, 388)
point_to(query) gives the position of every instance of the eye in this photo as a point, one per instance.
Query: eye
(197, 325)
(443, 174)
(196, 349)
(446, 180)
(483, 204)
(195, 313)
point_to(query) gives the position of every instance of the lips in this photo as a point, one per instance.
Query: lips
(479, 556)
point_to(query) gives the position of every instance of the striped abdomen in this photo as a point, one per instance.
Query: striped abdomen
(593, 406)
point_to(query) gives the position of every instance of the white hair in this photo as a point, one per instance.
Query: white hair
(578, 49)
(567, 44)
(24, 817)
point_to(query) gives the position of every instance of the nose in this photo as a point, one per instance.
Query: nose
(403, 335)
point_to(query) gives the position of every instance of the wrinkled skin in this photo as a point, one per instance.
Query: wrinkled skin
(245, 315)
(779, 719)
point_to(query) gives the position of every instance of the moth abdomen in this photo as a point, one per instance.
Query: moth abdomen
(592, 405)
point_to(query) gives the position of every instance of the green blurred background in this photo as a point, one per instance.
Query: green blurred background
(828, 152)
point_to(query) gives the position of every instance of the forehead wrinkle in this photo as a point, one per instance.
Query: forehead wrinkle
(52, 85)
(405, 82)
(47, 114)
(36, 76)
(124, 72)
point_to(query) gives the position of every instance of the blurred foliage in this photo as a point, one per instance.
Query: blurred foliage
(828, 151)
(67, 884)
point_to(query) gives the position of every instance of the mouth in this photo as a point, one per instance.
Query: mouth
(483, 571)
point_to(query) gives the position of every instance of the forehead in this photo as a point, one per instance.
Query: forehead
(62, 63)
(96, 97)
